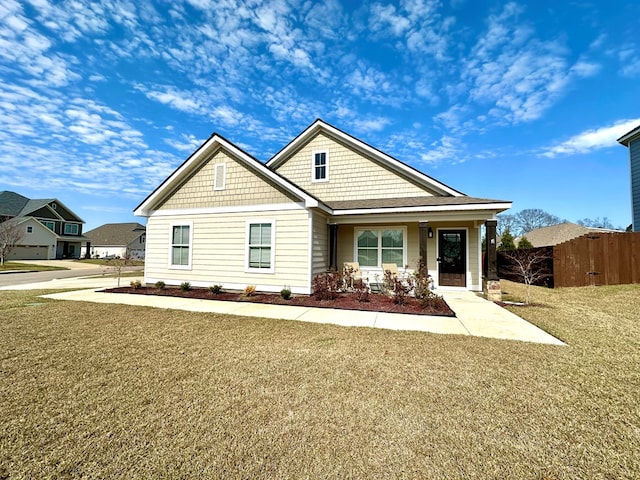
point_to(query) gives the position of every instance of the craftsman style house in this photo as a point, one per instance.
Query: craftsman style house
(50, 229)
(121, 240)
(325, 199)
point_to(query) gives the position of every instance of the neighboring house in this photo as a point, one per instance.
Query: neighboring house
(325, 199)
(51, 230)
(631, 140)
(562, 232)
(117, 240)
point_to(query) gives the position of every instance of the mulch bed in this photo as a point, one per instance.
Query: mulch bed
(345, 301)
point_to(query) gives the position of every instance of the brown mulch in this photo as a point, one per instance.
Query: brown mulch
(345, 301)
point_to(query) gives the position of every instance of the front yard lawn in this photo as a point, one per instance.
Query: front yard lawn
(31, 267)
(102, 391)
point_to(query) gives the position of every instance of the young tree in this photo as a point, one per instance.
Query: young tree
(531, 266)
(524, 243)
(118, 264)
(11, 234)
(506, 242)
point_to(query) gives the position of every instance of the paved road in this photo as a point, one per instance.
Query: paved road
(75, 270)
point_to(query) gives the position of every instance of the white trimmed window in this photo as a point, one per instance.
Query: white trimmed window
(320, 166)
(71, 229)
(220, 174)
(50, 225)
(181, 240)
(375, 246)
(29, 229)
(260, 252)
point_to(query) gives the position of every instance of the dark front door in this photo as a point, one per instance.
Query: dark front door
(452, 258)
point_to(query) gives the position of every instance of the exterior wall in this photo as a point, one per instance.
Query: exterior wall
(474, 272)
(351, 175)
(219, 250)
(320, 244)
(40, 244)
(634, 155)
(242, 187)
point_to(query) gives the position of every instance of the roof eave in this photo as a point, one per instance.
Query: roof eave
(629, 136)
(497, 207)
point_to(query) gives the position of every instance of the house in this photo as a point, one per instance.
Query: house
(51, 230)
(631, 140)
(562, 232)
(123, 240)
(327, 198)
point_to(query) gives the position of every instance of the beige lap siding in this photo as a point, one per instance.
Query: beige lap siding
(219, 251)
(351, 175)
(320, 244)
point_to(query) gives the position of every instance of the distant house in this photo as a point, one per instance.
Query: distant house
(117, 240)
(51, 229)
(562, 232)
(325, 200)
(631, 140)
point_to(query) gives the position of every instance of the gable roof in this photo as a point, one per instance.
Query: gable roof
(628, 137)
(175, 180)
(363, 148)
(115, 234)
(15, 205)
(562, 232)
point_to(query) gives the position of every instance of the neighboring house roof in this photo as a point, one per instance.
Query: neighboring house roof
(629, 136)
(174, 181)
(399, 167)
(555, 234)
(115, 234)
(15, 205)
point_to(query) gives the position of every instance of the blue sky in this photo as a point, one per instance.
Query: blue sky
(522, 101)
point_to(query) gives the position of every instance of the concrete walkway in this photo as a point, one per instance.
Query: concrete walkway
(474, 315)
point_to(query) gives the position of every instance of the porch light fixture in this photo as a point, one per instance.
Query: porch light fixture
(430, 232)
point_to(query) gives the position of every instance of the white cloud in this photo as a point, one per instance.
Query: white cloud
(593, 139)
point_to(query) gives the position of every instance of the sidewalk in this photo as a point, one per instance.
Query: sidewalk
(474, 315)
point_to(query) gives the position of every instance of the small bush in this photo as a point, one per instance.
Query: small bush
(185, 286)
(160, 285)
(286, 293)
(361, 290)
(432, 301)
(215, 289)
(327, 285)
(422, 281)
(136, 284)
(249, 290)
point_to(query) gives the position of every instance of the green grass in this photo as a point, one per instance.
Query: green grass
(27, 266)
(101, 391)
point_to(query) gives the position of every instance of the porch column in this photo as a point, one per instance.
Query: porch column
(333, 247)
(490, 253)
(490, 280)
(87, 253)
(424, 234)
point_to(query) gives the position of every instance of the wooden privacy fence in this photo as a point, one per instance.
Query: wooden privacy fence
(597, 259)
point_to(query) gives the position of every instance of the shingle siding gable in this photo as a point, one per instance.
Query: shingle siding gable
(242, 186)
(352, 176)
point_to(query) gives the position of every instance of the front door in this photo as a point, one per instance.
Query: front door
(452, 258)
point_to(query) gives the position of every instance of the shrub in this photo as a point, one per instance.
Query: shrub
(361, 290)
(327, 285)
(160, 285)
(433, 301)
(185, 286)
(136, 284)
(285, 293)
(249, 290)
(422, 281)
(215, 289)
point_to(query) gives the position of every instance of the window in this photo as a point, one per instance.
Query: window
(54, 206)
(377, 246)
(29, 229)
(71, 229)
(320, 167)
(50, 225)
(220, 170)
(180, 246)
(260, 246)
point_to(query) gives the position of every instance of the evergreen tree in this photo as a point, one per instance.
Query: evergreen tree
(506, 242)
(524, 243)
